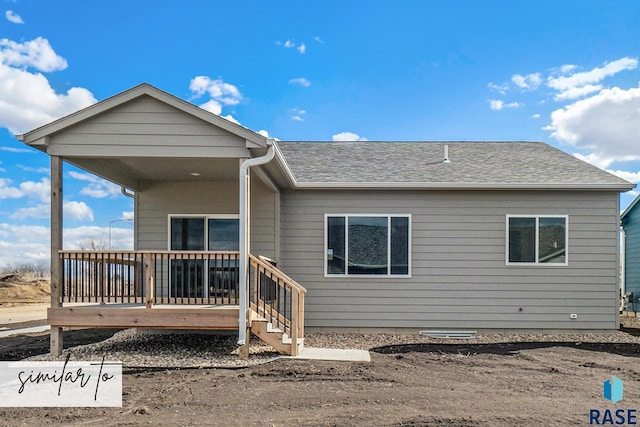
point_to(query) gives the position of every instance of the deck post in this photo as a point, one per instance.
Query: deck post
(56, 333)
(295, 313)
(148, 280)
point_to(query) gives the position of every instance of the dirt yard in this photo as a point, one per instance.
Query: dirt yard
(419, 384)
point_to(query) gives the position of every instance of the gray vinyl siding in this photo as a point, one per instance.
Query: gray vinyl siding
(263, 219)
(632, 252)
(160, 199)
(146, 127)
(459, 277)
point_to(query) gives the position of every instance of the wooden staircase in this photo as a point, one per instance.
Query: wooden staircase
(276, 307)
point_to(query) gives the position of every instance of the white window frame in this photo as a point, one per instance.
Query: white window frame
(346, 249)
(205, 218)
(537, 241)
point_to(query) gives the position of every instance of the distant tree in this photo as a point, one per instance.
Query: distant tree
(36, 269)
(92, 245)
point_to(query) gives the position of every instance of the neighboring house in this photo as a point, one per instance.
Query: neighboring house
(630, 220)
(384, 236)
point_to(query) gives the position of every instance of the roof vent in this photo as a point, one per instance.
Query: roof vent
(446, 154)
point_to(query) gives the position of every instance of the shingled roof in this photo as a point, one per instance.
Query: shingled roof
(420, 164)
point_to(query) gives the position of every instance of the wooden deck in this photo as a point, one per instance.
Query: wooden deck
(195, 290)
(208, 317)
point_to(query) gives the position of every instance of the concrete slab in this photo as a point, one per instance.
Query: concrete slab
(31, 330)
(343, 355)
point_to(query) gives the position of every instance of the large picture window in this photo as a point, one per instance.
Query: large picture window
(363, 245)
(537, 239)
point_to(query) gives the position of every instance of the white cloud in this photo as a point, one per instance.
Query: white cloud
(535, 116)
(127, 215)
(502, 89)
(297, 115)
(7, 191)
(528, 82)
(567, 68)
(290, 44)
(318, 39)
(98, 188)
(13, 17)
(594, 76)
(39, 211)
(78, 211)
(17, 150)
(27, 243)
(595, 159)
(212, 106)
(27, 100)
(220, 94)
(218, 90)
(231, 119)
(301, 81)
(36, 53)
(40, 190)
(607, 125)
(626, 175)
(264, 133)
(21, 244)
(583, 83)
(577, 92)
(497, 104)
(34, 170)
(348, 136)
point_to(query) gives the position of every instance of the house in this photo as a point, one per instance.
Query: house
(630, 221)
(237, 231)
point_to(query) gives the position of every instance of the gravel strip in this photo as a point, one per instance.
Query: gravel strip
(182, 350)
(193, 350)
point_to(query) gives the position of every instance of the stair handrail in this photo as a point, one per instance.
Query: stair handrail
(276, 271)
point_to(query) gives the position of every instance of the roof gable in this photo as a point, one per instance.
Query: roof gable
(630, 208)
(38, 136)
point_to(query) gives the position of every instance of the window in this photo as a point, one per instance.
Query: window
(537, 239)
(366, 245)
(199, 278)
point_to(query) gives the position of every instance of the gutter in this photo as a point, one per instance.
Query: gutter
(457, 186)
(244, 236)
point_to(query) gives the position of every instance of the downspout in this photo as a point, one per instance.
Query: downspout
(244, 236)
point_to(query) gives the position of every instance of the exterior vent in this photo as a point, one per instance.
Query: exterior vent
(446, 154)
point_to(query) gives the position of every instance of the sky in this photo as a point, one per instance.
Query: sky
(561, 72)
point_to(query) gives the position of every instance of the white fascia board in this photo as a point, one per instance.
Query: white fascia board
(630, 207)
(282, 162)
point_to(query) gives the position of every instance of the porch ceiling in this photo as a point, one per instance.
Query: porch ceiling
(131, 172)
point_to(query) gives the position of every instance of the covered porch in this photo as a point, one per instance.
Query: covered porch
(191, 175)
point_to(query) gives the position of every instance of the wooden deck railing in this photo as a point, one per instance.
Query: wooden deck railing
(162, 277)
(277, 298)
